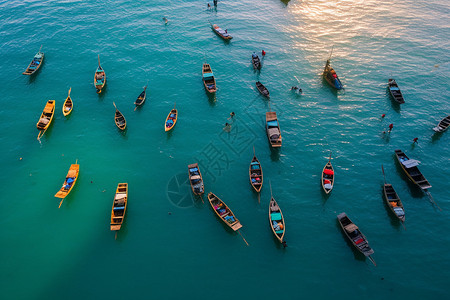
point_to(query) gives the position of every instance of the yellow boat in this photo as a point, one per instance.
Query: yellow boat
(171, 119)
(68, 105)
(119, 206)
(99, 78)
(69, 183)
(46, 118)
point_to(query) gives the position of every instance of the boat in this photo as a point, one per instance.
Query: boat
(196, 180)
(331, 77)
(256, 61)
(411, 170)
(46, 118)
(393, 200)
(220, 32)
(328, 177)
(69, 182)
(208, 78)
(223, 212)
(273, 129)
(68, 105)
(262, 89)
(171, 119)
(119, 206)
(255, 173)
(35, 64)
(99, 78)
(395, 91)
(141, 98)
(119, 119)
(443, 124)
(276, 221)
(355, 236)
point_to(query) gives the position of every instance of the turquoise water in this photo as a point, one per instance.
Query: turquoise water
(51, 253)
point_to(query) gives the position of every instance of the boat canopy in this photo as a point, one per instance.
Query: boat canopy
(410, 163)
(207, 75)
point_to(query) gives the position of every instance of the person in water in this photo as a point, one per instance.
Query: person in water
(165, 20)
(263, 53)
(215, 3)
(390, 127)
(232, 114)
(415, 140)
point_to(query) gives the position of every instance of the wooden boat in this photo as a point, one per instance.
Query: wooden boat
(273, 129)
(411, 170)
(69, 182)
(141, 98)
(171, 119)
(328, 177)
(99, 78)
(196, 179)
(256, 61)
(68, 105)
(262, 89)
(119, 206)
(220, 32)
(223, 212)
(119, 119)
(331, 77)
(276, 221)
(208, 78)
(443, 124)
(355, 236)
(255, 173)
(395, 92)
(393, 201)
(46, 118)
(35, 64)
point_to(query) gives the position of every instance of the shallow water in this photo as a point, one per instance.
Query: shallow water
(71, 253)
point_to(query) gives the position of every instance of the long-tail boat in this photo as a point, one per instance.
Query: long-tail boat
(276, 220)
(196, 179)
(255, 173)
(443, 124)
(171, 119)
(395, 92)
(35, 63)
(223, 212)
(141, 98)
(411, 170)
(273, 129)
(46, 118)
(328, 177)
(208, 78)
(330, 75)
(119, 119)
(69, 182)
(355, 236)
(68, 105)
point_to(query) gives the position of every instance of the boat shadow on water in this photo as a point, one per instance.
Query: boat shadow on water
(436, 137)
(211, 98)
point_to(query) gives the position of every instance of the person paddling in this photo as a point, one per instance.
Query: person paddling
(415, 140)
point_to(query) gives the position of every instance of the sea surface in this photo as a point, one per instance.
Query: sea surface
(171, 245)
